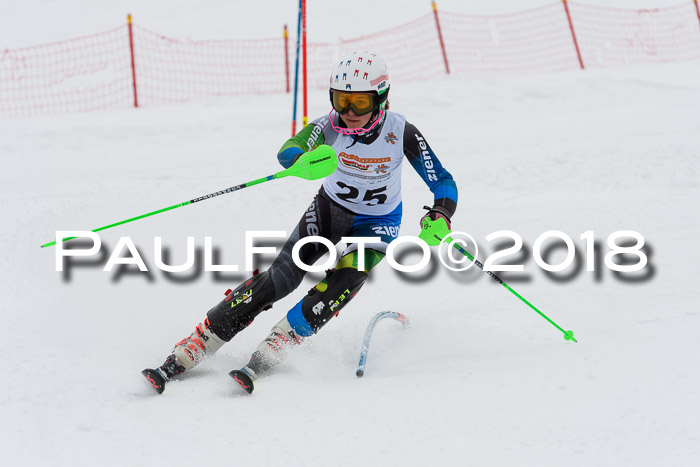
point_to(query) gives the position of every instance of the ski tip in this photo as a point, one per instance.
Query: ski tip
(243, 379)
(360, 373)
(156, 380)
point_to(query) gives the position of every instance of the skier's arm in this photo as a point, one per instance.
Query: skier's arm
(424, 161)
(307, 139)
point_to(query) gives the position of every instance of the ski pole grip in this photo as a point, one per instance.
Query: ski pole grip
(312, 165)
(434, 231)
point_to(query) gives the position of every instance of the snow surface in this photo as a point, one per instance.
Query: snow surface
(479, 379)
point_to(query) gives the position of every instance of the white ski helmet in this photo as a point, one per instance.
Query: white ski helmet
(361, 72)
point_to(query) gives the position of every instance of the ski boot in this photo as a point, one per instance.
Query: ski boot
(223, 322)
(159, 376)
(186, 355)
(269, 353)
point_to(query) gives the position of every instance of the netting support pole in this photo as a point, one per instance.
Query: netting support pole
(133, 62)
(305, 118)
(573, 34)
(442, 43)
(697, 9)
(286, 55)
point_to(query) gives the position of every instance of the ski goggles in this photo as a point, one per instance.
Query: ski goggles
(361, 103)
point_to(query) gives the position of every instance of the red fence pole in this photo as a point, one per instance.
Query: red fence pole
(133, 63)
(573, 34)
(305, 118)
(286, 55)
(697, 9)
(442, 43)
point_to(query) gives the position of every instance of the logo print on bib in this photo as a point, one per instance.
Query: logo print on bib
(381, 169)
(363, 164)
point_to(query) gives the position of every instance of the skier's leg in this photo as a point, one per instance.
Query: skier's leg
(326, 299)
(222, 322)
(322, 302)
(230, 316)
(240, 307)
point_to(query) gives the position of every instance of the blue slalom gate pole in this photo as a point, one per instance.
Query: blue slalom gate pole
(296, 76)
(368, 335)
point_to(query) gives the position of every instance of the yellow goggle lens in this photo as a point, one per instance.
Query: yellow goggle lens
(360, 103)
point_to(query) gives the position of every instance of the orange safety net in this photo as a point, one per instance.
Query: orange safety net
(94, 72)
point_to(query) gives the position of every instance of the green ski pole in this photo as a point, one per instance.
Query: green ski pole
(434, 231)
(312, 165)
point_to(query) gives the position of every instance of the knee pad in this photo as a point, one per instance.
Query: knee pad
(240, 307)
(325, 300)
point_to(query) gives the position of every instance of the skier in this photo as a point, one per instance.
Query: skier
(362, 198)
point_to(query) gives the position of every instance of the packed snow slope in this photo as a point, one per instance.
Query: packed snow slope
(479, 379)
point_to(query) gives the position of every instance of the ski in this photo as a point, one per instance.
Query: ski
(244, 379)
(155, 378)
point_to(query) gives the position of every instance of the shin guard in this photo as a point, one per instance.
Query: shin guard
(325, 300)
(241, 306)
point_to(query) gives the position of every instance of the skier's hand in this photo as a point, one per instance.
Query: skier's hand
(312, 165)
(435, 213)
(301, 154)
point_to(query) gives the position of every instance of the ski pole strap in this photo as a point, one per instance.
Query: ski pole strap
(438, 209)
